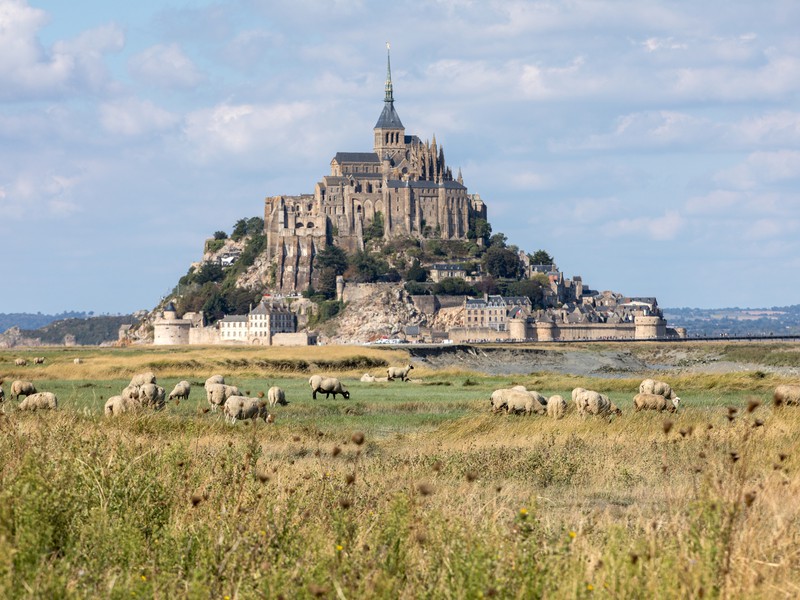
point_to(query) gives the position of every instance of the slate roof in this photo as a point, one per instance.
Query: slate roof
(356, 157)
(389, 118)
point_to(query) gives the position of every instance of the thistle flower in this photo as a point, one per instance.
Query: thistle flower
(425, 488)
(667, 426)
(357, 438)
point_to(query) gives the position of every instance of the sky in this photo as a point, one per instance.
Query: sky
(652, 148)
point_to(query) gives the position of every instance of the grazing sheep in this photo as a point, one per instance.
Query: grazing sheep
(116, 405)
(20, 362)
(786, 395)
(130, 392)
(143, 378)
(77, 361)
(575, 393)
(327, 386)
(39, 360)
(214, 379)
(275, 396)
(242, 407)
(218, 393)
(180, 391)
(594, 403)
(514, 400)
(393, 373)
(659, 388)
(367, 378)
(21, 388)
(556, 407)
(654, 402)
(151, 394)
(537, 397)
(39, 401)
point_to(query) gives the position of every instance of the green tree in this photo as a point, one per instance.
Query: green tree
(215, 307)
(332, 257)
(327, 283)
(416, 272)
(220, 235)
(532, 288)
(502, 263)
(453, 286)
(210, 271)
(540, 257)
(498, 240)
(365, 268)
(374, 231)
(239, 230)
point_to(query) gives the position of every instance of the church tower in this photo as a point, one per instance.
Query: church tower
(389, 130)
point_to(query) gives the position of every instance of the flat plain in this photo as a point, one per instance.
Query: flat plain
(407, 489)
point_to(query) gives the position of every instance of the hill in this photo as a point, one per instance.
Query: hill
(737, 322)
(36, 320)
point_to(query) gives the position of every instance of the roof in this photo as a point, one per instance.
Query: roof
(170, 307)
(356, 157)
(389, 118)
(234, 319)
(448, 185)
(447, 267)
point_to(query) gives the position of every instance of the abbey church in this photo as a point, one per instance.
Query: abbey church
(404, 182)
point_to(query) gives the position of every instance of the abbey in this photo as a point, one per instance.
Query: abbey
(404, 183)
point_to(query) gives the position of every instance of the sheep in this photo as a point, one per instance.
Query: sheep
(396, 372)
(180, 391)
(218, 393)
(117, 405)
(786, 395)
(143, 378)
(21, 388)
(242, 407)
(367, 378)
(20, 362)
(659, 388)
(593, 403)
(151, 394)
(39, 360)
(575, 393)
(514, 400)
(77, 361)
(654, 402)
(275, 395)
(39, 401)
(328, 386)
(214, 379)
(556, 407)
(130, 392)
(534, 394)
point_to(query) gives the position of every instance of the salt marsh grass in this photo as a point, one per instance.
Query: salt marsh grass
(404, 491)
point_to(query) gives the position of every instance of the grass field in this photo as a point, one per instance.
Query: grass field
(440, 500)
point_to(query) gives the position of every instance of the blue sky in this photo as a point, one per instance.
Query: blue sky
(651, 147)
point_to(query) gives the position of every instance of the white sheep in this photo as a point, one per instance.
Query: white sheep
(20, 362)
(116, 405)
(590, 402)
(130, 392)
(655, 402)
(786, 394)
(556, 407)
(393, 373)
(367, 378)
(39, 360)
(143, 378)
(659, 388)
(514, 401)
(218, 393)
(275, 395)
(327, 386)
(214, 379)
(243, 407)
(534, 394)
(39, 401)
(77, 361)
(21, 388)
(152, 395)
(180, 391)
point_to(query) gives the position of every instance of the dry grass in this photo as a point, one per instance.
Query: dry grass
(177, 504)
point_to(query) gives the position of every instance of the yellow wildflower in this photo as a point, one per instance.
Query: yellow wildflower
(523, 512)
(589, 587)
(572, 534)
(339, 547)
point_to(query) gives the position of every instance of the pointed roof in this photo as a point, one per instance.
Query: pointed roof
(389, 118)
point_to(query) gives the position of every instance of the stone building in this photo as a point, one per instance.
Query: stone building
(403, 182)
(259, 325)
(493, 311)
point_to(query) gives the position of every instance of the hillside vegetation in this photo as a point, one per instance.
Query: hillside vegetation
(407, 490)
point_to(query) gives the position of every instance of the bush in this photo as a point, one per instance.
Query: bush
(454, 286)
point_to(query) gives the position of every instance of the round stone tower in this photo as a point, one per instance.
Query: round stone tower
(517, 329)
(545, 331)
(650, 328)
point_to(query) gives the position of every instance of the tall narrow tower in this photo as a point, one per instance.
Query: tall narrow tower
(389, 130)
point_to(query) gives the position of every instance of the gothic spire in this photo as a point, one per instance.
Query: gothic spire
(389, 97)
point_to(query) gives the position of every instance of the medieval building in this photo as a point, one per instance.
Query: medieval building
(404, 183)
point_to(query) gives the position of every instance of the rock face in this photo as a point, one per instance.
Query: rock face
(373, 311)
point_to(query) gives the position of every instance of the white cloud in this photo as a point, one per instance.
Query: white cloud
(27, 69)
(133, 117)
(762, 168)
(166, 65)
(663, 228)
(35, 196)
